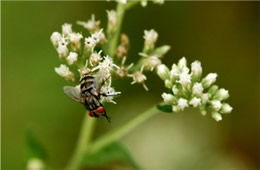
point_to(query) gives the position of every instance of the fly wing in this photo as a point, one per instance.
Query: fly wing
(73, 93)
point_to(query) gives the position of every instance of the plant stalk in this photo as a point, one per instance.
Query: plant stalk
(83, 142)
(120, 11)
(120, 132)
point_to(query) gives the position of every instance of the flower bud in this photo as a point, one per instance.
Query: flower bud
(55, 38)
(168, 84)
(72, 58)
(226, 108)
(184, 79)
(216, 116)
(168, 98)
(195, 101)
(182, 103)
(216, 104)
(144, 3)
(221, 94)
(112, 20)
(209, 80)
(35, 164)
(204, 98)
(175, 90)
(150, 38)
(174, 74)
(65, 72)
(163, 71)
(182, 63)
(75, 40)
(203, 110)
(212, 90)
(196, 70)
(197, 89)
(176, 108)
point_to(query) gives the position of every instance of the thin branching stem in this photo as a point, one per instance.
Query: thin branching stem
(121, 131)
(83, 142)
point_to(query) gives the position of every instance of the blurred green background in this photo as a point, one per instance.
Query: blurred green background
(224, 36)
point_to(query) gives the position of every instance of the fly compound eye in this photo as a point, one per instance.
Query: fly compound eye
(101, 110)
(90, 114)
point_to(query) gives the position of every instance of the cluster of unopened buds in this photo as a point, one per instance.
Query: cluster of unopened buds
(188, 88)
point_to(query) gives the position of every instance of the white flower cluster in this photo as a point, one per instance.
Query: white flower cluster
(189, 89)
(74, 52)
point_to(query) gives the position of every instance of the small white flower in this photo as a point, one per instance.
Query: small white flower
(197, 89)
(90, 42)
(105, 67)
(72, 58)
(62, 48)
(107, 64)
(66, 29)
(209, 80)
(112, 19)
(217, 116)
(95, 58)
(139, 77)
(93, 40)
(97, 36)
(226, 108)
(35, 164)
(167, 98)
(110, 93)
(163, 71)
(150, 37)
(196, 68)
(65, 72)
(75, 39)
(123, 70)
(182, 103)
(195, 101)
(221, 94)
(184, 79)
(92, 25)
(216, 104)
(151, 62)
(55, 38)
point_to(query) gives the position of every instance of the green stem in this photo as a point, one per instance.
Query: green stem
(131, 4)
(83, 142)
(120, 132)
(120, 10)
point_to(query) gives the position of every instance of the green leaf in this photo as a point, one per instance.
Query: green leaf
(161, 51)
(165, 107)
(34, 149)
(115, 152)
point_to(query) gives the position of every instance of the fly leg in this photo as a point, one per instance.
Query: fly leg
(102, 84)
(109, 95)
(108, 118)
